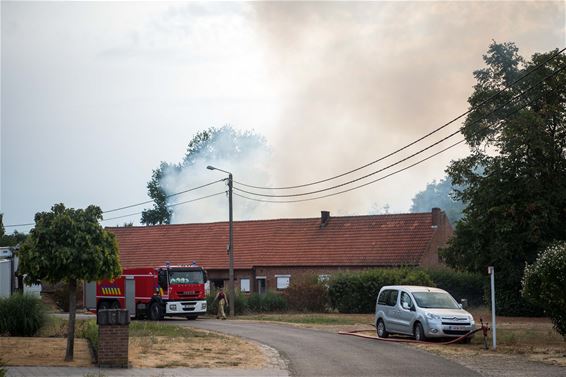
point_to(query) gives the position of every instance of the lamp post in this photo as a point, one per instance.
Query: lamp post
(230, 241)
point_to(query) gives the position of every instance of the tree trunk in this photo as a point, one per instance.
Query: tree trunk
(72, 315)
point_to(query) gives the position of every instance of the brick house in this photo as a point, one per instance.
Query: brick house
(269, 253)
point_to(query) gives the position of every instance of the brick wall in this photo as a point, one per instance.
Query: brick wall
(113, 346)
(439, 239)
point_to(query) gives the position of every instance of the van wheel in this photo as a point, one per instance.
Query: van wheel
(380, 329)
(155, 312)
(419, 333)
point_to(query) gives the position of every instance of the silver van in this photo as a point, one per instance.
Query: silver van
(421, 312)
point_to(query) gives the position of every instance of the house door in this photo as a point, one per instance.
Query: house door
(261, 285)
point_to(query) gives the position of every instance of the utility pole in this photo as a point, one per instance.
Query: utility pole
(491, 271)
(231, 247)
(231, 294)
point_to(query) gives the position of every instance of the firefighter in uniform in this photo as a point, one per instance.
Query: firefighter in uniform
(222, 301)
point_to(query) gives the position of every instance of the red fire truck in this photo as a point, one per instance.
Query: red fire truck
(155, 292)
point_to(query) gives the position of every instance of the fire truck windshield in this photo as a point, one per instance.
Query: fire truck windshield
(186, 277)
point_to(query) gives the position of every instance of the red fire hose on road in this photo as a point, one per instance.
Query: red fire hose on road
(401, 340)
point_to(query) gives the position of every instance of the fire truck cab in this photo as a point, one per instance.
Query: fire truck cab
(155, 292)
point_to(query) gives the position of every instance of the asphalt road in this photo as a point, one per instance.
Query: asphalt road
(318, 353)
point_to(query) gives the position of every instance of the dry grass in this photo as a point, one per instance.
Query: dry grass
(151, 344)
(43, 352)
(202, 352)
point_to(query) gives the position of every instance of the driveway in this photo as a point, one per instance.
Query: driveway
(316, 353)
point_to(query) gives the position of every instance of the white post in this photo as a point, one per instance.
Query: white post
(491, 272)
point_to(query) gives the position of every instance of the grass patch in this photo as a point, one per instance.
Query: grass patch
(310, 319)
(57, 328)
(153, 329)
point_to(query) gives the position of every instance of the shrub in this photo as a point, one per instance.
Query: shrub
(240, 304)
(460, 284)
(267, 302)
(22, 315)
(306, 293)
(544, 284)
(356, 292)
(61, 296)
(89, 330)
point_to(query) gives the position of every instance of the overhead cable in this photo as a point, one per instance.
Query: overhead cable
(138, 204)
(169, 205)
(408, 157)
(378, 179)
(167, 196)
(499, 92)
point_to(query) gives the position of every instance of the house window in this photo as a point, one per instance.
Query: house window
(261, 284)
(244, 284)
(283, 281)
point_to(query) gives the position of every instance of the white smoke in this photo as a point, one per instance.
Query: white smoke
(247, 158)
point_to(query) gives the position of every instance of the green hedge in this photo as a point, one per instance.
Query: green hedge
(267, 302)
(307, 294)
(356, 292)
(256, 303)
(240, 304)
(460, 284)
(22, 315)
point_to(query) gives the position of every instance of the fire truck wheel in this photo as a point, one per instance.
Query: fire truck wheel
(155, 311)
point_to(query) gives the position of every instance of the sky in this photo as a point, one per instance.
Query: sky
(94, 95)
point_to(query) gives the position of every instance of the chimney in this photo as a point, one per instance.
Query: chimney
(324, 218)
(436, 217)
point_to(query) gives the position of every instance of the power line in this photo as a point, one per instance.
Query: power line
(137, 204)
(380, 178)
(517, 96)
(14, 225)
(499, 92)
(167, 196)
(169, 205)
(356, 187)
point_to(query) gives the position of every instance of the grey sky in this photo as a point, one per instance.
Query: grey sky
(95, 95)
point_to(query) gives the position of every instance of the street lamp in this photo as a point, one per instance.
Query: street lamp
(230, 241)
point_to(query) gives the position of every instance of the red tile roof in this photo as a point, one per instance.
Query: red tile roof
(376, 240)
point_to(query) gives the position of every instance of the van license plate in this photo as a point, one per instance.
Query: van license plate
(456, 328)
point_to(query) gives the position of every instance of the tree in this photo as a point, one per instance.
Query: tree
(10, 239)
(439, 194)
(544, 283)
(513, 183)
(69, 245)
(213, 144)
(159, 214)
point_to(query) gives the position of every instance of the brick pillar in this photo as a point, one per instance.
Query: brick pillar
(113, 334)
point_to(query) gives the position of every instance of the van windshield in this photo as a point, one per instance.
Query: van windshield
(437, 300)
(186, 277)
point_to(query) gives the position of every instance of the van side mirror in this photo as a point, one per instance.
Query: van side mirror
(413, 309)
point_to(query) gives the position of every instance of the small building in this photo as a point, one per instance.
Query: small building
(269, 253)
(10, 281)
